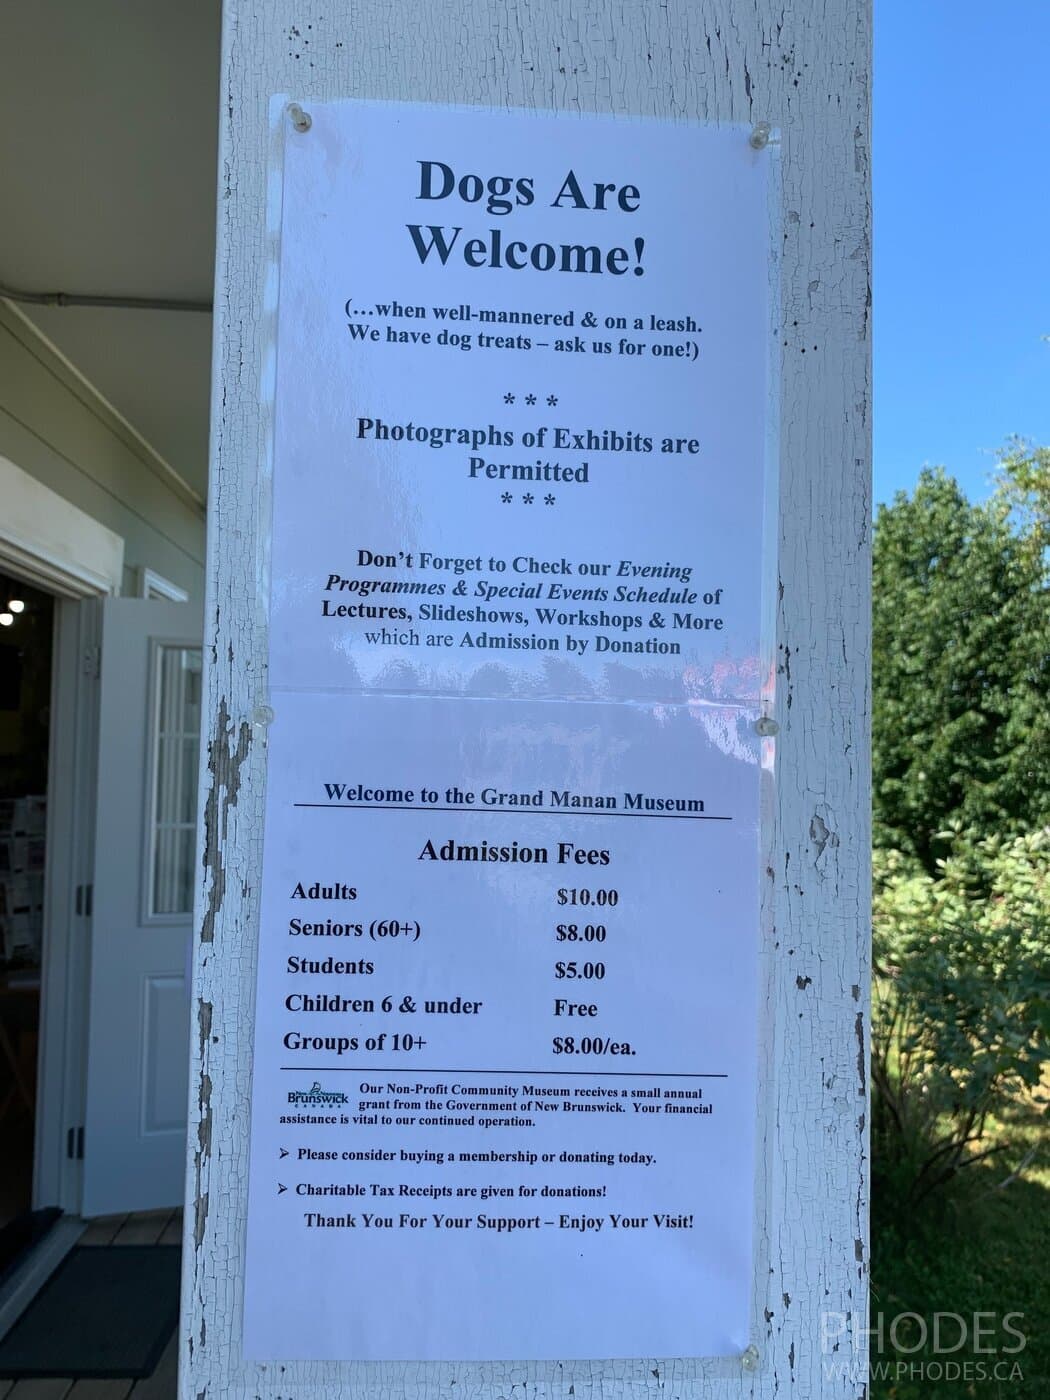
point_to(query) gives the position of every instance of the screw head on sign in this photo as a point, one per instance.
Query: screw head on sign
(766, 727)
(302, 121)
(749, 1360)
(760, 134)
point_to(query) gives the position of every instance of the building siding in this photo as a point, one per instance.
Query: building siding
(57, 428)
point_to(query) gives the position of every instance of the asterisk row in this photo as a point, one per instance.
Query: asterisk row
(552, 399)
(527, 498)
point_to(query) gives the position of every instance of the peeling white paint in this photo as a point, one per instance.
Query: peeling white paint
(806, 71)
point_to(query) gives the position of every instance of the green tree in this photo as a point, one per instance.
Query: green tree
(961, 659)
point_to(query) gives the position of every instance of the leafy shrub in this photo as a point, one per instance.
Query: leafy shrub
(961, 1003)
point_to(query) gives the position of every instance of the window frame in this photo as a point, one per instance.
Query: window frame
(149, 917)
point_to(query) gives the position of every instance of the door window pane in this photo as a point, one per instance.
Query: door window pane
(176, 739)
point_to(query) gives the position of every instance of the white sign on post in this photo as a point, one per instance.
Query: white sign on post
(504, 1092)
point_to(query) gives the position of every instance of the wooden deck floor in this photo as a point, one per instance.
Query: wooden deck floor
(150, 1227)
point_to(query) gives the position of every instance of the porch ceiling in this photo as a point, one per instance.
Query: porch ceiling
(108, 134)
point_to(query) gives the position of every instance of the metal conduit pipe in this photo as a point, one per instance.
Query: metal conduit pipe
(115, 302)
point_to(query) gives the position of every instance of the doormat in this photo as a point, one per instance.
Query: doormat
(106, 1313)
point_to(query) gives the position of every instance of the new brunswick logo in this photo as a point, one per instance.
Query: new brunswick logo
(315, 1094)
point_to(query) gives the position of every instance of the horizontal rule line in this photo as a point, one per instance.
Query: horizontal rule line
(525, 1073)
(511, 811)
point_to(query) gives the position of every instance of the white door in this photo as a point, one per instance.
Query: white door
(138, 1024)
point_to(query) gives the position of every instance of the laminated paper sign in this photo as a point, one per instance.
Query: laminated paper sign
(506, 1029)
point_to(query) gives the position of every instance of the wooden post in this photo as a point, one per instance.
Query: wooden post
(806, 71)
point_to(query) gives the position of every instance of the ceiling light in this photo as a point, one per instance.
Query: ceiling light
(6, 619)
(16, 605)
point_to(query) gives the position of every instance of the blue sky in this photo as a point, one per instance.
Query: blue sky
(962, 235)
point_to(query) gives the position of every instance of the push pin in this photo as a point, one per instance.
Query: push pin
(760, 134)
(302, 121)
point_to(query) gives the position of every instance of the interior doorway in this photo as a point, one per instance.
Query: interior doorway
(27, 621)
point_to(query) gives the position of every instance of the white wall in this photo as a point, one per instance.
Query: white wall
(56, 428)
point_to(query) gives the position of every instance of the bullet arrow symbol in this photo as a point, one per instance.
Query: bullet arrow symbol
(281, 1189)
(284, 1152)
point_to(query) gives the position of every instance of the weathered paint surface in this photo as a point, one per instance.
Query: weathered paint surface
(806, 70)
